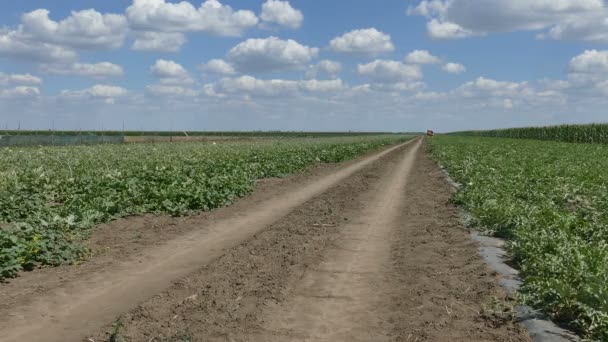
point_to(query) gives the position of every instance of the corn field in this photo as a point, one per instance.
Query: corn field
(593, 133)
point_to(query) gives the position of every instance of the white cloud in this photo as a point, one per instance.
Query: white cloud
(158, 41)
(482, 87)
(429, 8)
(387, 71)
(97, 91)
(251, 86)
(165, 90)
(590, 61)
(20, 79)
(270, 54)
(19, 92)
(397, 87)
(98, 70)
(366, 41)
(454, 68)
(564, 19)
(507, 104)
(15, 45)
(281, 12)
(170, 72)
(446, 30)
(254, 86)
(82, 29)
(592, 27)
(41, 39)
(422, 57)
(587, 72)
(218, 66)
(212, 17)
(324, 68)
(321, 85)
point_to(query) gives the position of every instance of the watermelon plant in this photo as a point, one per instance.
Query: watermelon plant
(550, 200)
(51, 197)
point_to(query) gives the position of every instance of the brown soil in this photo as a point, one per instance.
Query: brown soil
(368, 251)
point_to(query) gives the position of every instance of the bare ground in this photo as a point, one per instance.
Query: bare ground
(376, 255)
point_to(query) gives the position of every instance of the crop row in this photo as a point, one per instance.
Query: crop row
(551, 200)
(594, 133)
(245, 134)
(51, 197)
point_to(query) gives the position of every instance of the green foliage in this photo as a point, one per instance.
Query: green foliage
(243, 134)
(594, 133)
(551, 200)
(50, 197)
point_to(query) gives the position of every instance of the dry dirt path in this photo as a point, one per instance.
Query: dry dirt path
(342, 299)
(71, 310)
(403, 270)
(382, 256)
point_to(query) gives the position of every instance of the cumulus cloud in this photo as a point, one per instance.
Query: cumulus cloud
(98, 70)
(218, 66)
(387, 71)
(592, 27)
(564, 19)
(158, 41)
(211, 17)
(366, 41)
(19, 92)
(15, 45)
(19, 79)
(454, 68)
(324, 68)
(97, 91)
(446, 30)
(488, 87)
(170, 72)
(281, 13)
(588, 72)
(422, 57)
(41, 39)
(170, 91)
(270, 54)
(590, 61)
(252, 86)
(324, 86)
(82, 29)
(397, 87)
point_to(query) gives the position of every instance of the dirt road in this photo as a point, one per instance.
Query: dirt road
(369, 252)
(343, 298)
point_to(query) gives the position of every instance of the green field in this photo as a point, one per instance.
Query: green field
(261, 134)
(550, 199)
(51, 197)
(593, 133)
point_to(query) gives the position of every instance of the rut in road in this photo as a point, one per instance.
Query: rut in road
(71, 311)
(341, 299)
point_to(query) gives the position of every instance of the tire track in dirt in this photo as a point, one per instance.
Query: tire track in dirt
(338, 300)
(442, 290)
(71, 311)
(404, 270)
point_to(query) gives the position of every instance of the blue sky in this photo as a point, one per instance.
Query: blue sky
(302, 64)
